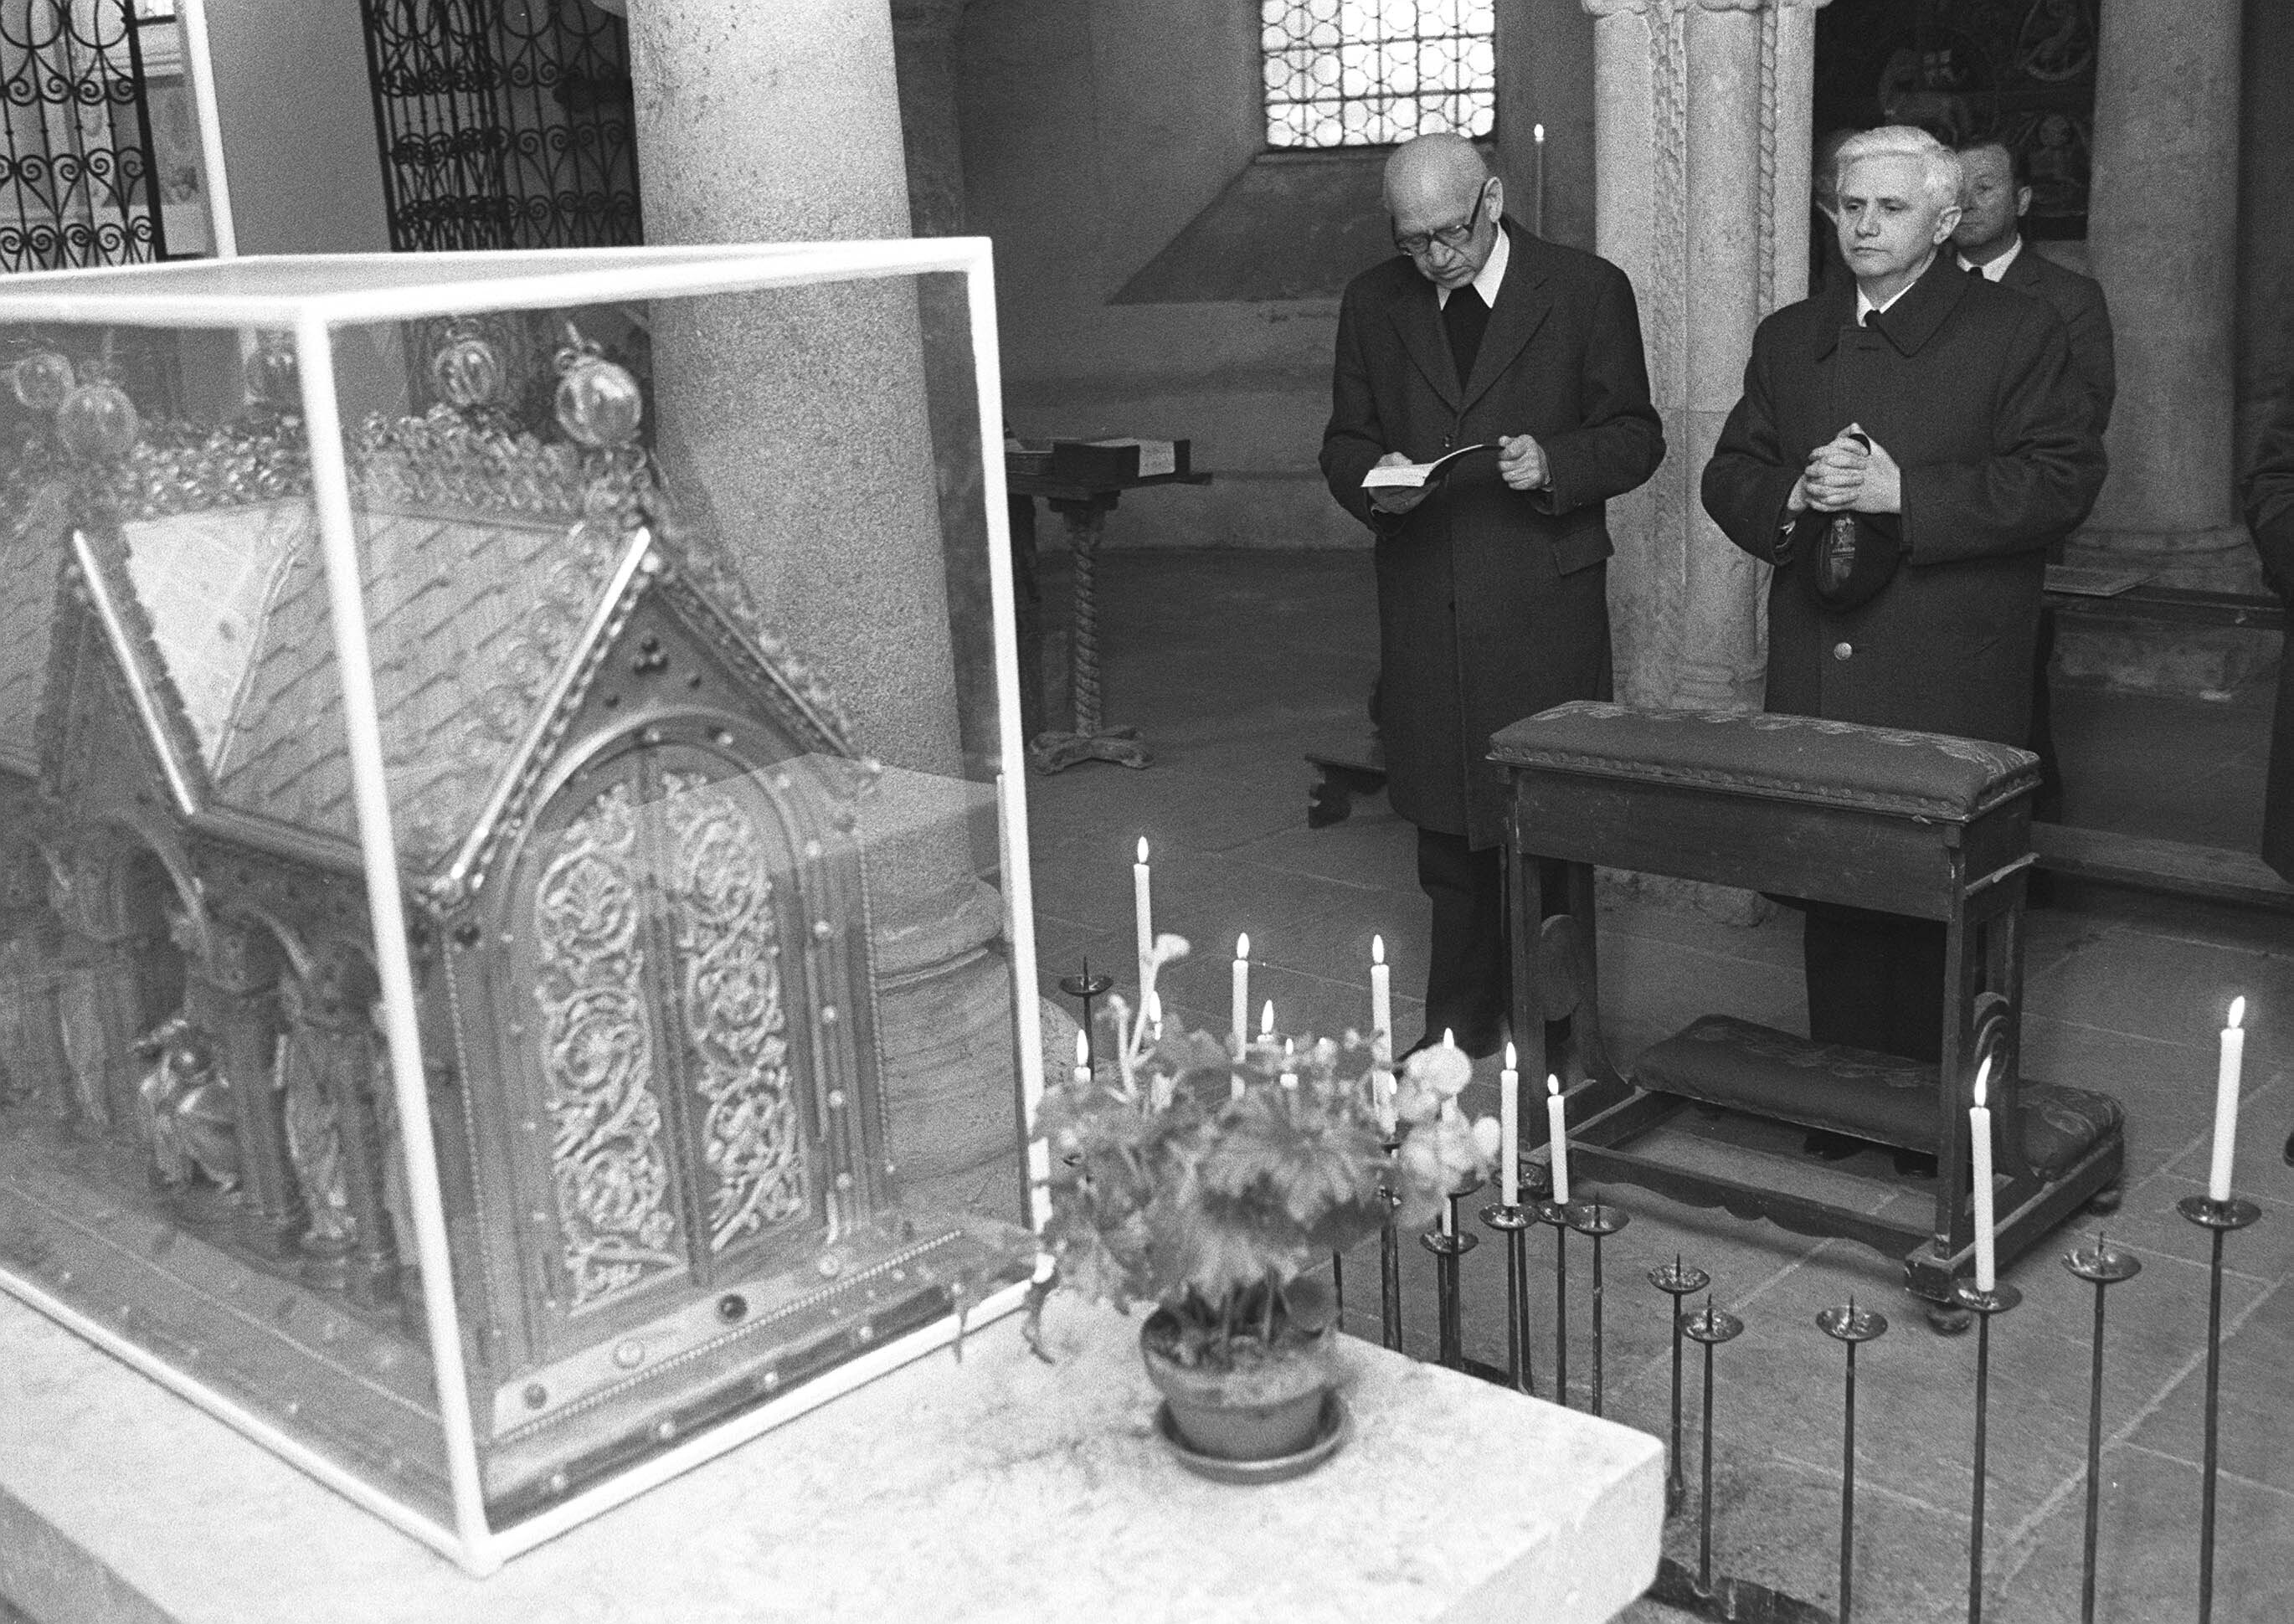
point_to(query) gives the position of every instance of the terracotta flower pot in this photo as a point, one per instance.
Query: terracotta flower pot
(1267, 1406)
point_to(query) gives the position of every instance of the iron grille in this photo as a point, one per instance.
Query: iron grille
(503, 124)
(76, 188)
(1358, 73)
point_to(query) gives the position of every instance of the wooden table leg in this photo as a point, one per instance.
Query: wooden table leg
(1092, 740)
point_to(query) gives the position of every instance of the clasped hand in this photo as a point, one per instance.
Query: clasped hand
(1842, 475)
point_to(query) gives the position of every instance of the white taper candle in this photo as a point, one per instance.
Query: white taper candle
(1556, 1134)
(2228, 1069)
(1510, 1129)
(1142, 910)
(1979, 1139)
(1242, 991)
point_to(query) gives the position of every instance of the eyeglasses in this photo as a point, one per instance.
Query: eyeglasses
(1448, 236)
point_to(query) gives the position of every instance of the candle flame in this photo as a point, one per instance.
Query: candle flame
(1511, 1064)
(1378, 950)
(1267, 1020)
(1537, 132)
(1449, 1038)
(1289, 1046)
(1143, 848)
(1982, 1073)
(1553, 1085)
(1242, 945)
(2237, 1009)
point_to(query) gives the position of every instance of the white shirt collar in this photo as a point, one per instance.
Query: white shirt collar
(1998, 268)
(1864, 307)
(1486, 279)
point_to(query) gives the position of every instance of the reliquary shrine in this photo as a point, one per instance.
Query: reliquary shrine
(632, 847)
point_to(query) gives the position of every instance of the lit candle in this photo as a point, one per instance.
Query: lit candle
(1290, 1078)
(1449, 1038)
(1154, 1015)
(1142, 912)
(1537, 179)
(2226, 1080)
(1242, 991)
(1381, 1002)
(1082, 1057)
(1510, 1129)
(1979, 1133)
(1557, 1136)
(1267, 1024)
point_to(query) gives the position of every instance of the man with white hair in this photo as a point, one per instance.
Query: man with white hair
(1492, 582)
(1905, 450)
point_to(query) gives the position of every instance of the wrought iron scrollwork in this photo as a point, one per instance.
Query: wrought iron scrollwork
(504, 124)
(75, 157)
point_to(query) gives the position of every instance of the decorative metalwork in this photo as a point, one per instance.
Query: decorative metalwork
(617, 1225)
(735, 1021)
(504, 124)
(75, 155)
(1365, 73)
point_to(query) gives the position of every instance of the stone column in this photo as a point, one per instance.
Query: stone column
(923, 47)
(232, 996)
(797, 428)
(2162, 236)
(1701, 130)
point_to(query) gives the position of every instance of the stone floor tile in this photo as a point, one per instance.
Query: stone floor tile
(2257, 1372)
(2123, 983)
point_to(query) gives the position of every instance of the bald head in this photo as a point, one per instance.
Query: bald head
(1444, 205)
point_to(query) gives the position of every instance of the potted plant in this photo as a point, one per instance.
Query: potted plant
(1207, 1182)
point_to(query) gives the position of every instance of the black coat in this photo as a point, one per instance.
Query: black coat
(1966, 386)
(2086, 323)
(1492, 603)
(2270, 516)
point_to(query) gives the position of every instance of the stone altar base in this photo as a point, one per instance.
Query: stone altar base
(1000, 1488)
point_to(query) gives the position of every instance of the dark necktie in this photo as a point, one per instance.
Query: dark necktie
(1465, 318)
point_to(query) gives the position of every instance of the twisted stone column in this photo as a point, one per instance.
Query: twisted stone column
(1701, 130)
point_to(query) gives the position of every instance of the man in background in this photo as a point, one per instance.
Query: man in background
(1995, 194)
(1492, 583)
(1930, 410)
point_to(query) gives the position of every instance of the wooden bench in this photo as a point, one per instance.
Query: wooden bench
(1905, 823)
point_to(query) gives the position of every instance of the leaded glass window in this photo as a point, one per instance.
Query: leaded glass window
(1366, 73)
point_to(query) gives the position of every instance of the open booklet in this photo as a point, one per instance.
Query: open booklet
(1412, 475)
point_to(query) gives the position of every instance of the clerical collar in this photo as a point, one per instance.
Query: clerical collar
(1863, 305)
(1486, 279)
(1997, 268)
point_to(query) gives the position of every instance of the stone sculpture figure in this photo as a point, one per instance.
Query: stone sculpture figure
(188, 1117)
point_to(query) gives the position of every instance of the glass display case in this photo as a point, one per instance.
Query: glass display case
(516, 970)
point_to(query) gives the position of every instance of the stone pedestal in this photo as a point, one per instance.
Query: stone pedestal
(1702, 112)
(997, 1487)
(797, 429)
(2162, 237)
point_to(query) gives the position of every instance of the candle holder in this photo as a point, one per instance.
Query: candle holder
(1555, 1216)
(1709, 1328)
(1983, 1304)
(1389, 1265)
(1448, 1244)
(1088, 988)
(1339, 1290)
(1513, 1223)
(1677, 1282)
(2218, 1218)
(2103, 1267)
(1849, 1326)
(1598, 1221)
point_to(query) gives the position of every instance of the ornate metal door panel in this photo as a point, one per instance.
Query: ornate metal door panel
(75, 139)
(503, 124)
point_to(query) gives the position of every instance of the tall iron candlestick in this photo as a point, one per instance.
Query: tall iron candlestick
(1984, 1304)
(1448, 1244)
(1596, 1221)
(2218, 1218)
(1389, 1265)
(1513, 1223)
(1338, 1288)
(2105, 1266)
(1677, 1282)
(1088, 986)
(1555, 1216)
(1710, 1327)
(1850, 1325)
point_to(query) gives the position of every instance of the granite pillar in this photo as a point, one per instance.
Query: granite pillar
(1702, 129)
(797, 430)
(2162, 236)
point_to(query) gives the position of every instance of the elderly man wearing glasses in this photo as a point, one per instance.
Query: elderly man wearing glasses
(1491, 578)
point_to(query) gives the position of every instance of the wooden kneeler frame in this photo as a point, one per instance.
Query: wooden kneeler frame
(1907, 824)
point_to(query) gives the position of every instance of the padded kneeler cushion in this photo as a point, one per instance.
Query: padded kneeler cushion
(1929, 776)
(1722, 1061)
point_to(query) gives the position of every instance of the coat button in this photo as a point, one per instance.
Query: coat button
(1841, 651)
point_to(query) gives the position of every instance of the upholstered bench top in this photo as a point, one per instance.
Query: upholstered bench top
(1788, 758)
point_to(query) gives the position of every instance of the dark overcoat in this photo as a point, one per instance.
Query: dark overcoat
(1966, 385)
(2270, 515)
(2079, 300)
(1492, 603)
